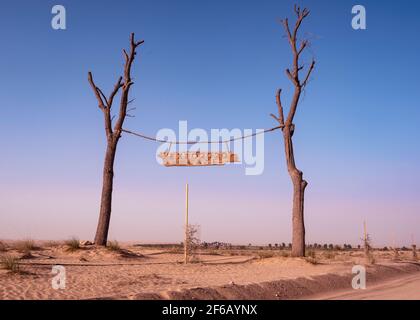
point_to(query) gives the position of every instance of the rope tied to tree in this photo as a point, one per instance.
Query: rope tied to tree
(201, 142)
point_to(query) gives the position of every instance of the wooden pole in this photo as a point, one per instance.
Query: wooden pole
(186, 226)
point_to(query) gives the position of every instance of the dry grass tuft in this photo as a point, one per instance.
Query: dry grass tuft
(10, 263)
(311, 254)
(329, 255)
(285, 254)
(72, 244)
(311, 260)
(26, 246)
(113, 245)
(3, 246)
(311, 257)
(265, 255)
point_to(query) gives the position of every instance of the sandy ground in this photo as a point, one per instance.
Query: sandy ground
(144, 273)
(405, 288)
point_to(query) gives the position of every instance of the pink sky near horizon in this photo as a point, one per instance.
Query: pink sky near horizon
(222, 217)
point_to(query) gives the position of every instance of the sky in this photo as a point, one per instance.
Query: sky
(215, 64)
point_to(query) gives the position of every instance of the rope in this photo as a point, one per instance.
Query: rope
(201, 142)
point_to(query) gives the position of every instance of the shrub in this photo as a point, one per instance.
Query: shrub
(72, 244)
(284, 254)
(371, 258)
(113, 245)
(25, 246)
(265, 255)
(10, 263)
(329, 255)
(396, 254)
(3, 246)
(311, 260)
(311, 254)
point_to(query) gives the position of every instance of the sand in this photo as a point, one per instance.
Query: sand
(146, 273)
(402, 288)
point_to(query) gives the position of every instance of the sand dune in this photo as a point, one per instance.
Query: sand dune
(143, 273)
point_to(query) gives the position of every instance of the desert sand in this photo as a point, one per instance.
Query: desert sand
(136, 272)
(402, 288)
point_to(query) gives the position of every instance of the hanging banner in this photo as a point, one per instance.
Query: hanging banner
(193, 159)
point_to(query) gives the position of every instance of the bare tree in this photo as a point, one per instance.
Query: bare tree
(288, 128)
(113, 134)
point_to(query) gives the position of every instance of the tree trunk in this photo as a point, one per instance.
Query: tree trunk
(299, 186)
(298, 237)
(101, 236)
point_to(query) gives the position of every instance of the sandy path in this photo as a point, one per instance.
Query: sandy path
(405, 288)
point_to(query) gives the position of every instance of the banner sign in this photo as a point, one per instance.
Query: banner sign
(192, 159)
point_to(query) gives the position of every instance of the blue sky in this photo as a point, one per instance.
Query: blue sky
(216, 64)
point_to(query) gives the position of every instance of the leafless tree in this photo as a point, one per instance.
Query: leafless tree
(113, 134)
(288, 128)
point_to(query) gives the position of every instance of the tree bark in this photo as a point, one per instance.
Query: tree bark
(101, 236)
(299, 186)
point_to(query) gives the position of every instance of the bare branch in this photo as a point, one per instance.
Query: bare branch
(311, 68)
(96, 91)
(293, 73)
(286, 27)
(302, 46)
(280, 107)
(125, 55)
(274, 117)
(103, 97)
(292, 37)
(105, 109)
(292, 78)
(127, 82)
(117, 87)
